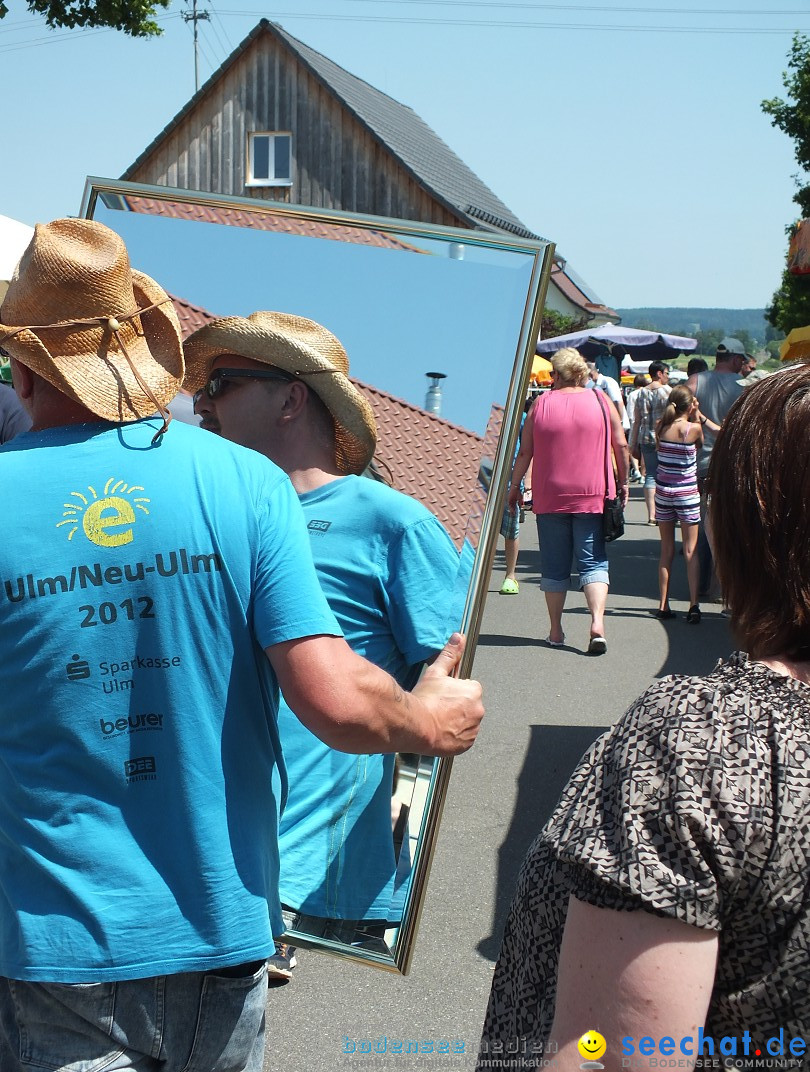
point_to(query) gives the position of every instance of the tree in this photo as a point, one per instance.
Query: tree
(708, 341)
(554, 323)
(790, 305)
(745, 338)
(134, 17)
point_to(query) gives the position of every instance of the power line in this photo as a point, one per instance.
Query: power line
(504, 24)
(53, 38)
(56, 38)
(580, 7)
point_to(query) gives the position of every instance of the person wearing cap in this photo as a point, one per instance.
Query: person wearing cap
(280, 384)
(715, 391)
(156, 588)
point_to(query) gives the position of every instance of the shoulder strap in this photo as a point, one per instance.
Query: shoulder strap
(602, 405)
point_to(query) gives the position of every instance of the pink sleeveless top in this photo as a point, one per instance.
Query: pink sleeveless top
(571, 453)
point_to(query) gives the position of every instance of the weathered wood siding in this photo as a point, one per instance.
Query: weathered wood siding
(337, 163)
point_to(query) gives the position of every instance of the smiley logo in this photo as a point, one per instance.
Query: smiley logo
(592, 1046)
(106, 520)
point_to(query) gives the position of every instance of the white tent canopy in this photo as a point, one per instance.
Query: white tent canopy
(14, 237)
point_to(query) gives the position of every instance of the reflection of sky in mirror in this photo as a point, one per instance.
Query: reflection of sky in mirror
(398, 314)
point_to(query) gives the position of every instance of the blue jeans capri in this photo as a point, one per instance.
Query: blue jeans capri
(650, 456)
(564, 537)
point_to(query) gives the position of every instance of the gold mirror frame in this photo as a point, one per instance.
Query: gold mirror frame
(313, 227)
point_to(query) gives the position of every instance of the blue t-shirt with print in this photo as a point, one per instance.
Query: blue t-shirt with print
(391, 574)
(139, 585)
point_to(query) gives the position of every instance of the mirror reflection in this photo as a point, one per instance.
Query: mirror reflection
(437, 333)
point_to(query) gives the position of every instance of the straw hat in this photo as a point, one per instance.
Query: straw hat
(304, 349)
(77, 315)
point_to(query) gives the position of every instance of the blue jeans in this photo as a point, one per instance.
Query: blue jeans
(650, 456)
(193, 1022)
(567, 536)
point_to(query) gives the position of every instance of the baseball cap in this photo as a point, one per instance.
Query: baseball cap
(730, 345)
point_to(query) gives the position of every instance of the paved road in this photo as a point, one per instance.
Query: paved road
(544, 708)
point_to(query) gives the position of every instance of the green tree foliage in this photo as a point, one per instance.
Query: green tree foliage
(708, 341)
(790, 306)
(134, 17)
(554, 323)
(745, 339)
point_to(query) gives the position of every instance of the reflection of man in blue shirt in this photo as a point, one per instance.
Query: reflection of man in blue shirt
(391, 575)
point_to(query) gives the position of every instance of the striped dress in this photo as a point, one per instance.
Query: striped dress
(676, 492)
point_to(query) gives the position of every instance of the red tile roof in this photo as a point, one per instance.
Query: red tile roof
(430, 459)
(191, 317)
(271, 220)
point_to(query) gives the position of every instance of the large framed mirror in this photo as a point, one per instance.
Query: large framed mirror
(440, 326)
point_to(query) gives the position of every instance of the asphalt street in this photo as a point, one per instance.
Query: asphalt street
(544, 708)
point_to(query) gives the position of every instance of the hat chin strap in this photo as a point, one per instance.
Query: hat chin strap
(114, 325)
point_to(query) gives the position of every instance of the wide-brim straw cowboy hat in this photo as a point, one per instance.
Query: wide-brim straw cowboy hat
(78, 315)
(304, 349)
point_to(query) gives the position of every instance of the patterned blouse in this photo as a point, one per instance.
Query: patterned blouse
(695, 805)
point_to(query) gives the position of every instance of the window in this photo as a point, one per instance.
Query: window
(269, 159)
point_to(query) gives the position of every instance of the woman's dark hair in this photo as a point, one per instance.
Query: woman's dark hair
(759, 480)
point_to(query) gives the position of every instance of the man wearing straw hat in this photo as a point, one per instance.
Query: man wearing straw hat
(143, 568)
(280, 384)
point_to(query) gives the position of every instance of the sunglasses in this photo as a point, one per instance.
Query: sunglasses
(218, 379)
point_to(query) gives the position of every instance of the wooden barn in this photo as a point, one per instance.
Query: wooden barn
(280, 121)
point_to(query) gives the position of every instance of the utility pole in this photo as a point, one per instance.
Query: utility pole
(195, 16)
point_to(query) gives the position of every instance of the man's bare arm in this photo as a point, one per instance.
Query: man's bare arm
(354, 706)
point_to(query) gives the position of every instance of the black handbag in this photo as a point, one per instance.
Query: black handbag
(613, 519)
(613, 510)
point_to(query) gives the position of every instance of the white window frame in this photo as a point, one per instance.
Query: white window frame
(272, 179)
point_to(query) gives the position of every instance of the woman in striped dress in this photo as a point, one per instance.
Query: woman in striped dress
(680, 434)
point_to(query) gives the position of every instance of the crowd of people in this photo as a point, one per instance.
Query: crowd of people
(666, 897)
(164, 586)
(659, 436)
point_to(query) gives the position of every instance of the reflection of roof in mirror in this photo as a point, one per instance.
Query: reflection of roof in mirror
(418, 453)
(266, 218)
(430, 459)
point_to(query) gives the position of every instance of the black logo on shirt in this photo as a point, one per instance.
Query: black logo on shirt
(319, 526)
(140, 770)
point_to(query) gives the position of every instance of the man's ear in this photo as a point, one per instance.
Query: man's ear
(23, 379)
(296, 399)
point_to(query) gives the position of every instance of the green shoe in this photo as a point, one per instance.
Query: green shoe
(509, 587)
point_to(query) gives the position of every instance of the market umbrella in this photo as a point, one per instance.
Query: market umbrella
(639, 344)
(541, 370)
(796, 345)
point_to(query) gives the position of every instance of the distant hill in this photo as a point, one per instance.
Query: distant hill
(688, 321)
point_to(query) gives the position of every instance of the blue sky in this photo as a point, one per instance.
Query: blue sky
(631, 136)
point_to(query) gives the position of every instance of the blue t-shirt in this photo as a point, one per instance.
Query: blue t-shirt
(139, 585)
(391, 574)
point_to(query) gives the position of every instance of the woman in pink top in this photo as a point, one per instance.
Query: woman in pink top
(566, 433)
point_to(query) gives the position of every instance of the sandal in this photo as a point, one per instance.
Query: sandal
(693, 617)
(597, 645)
(510, 587)
(555, 643)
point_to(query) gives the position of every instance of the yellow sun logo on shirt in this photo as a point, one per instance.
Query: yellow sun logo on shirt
(105, 519)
